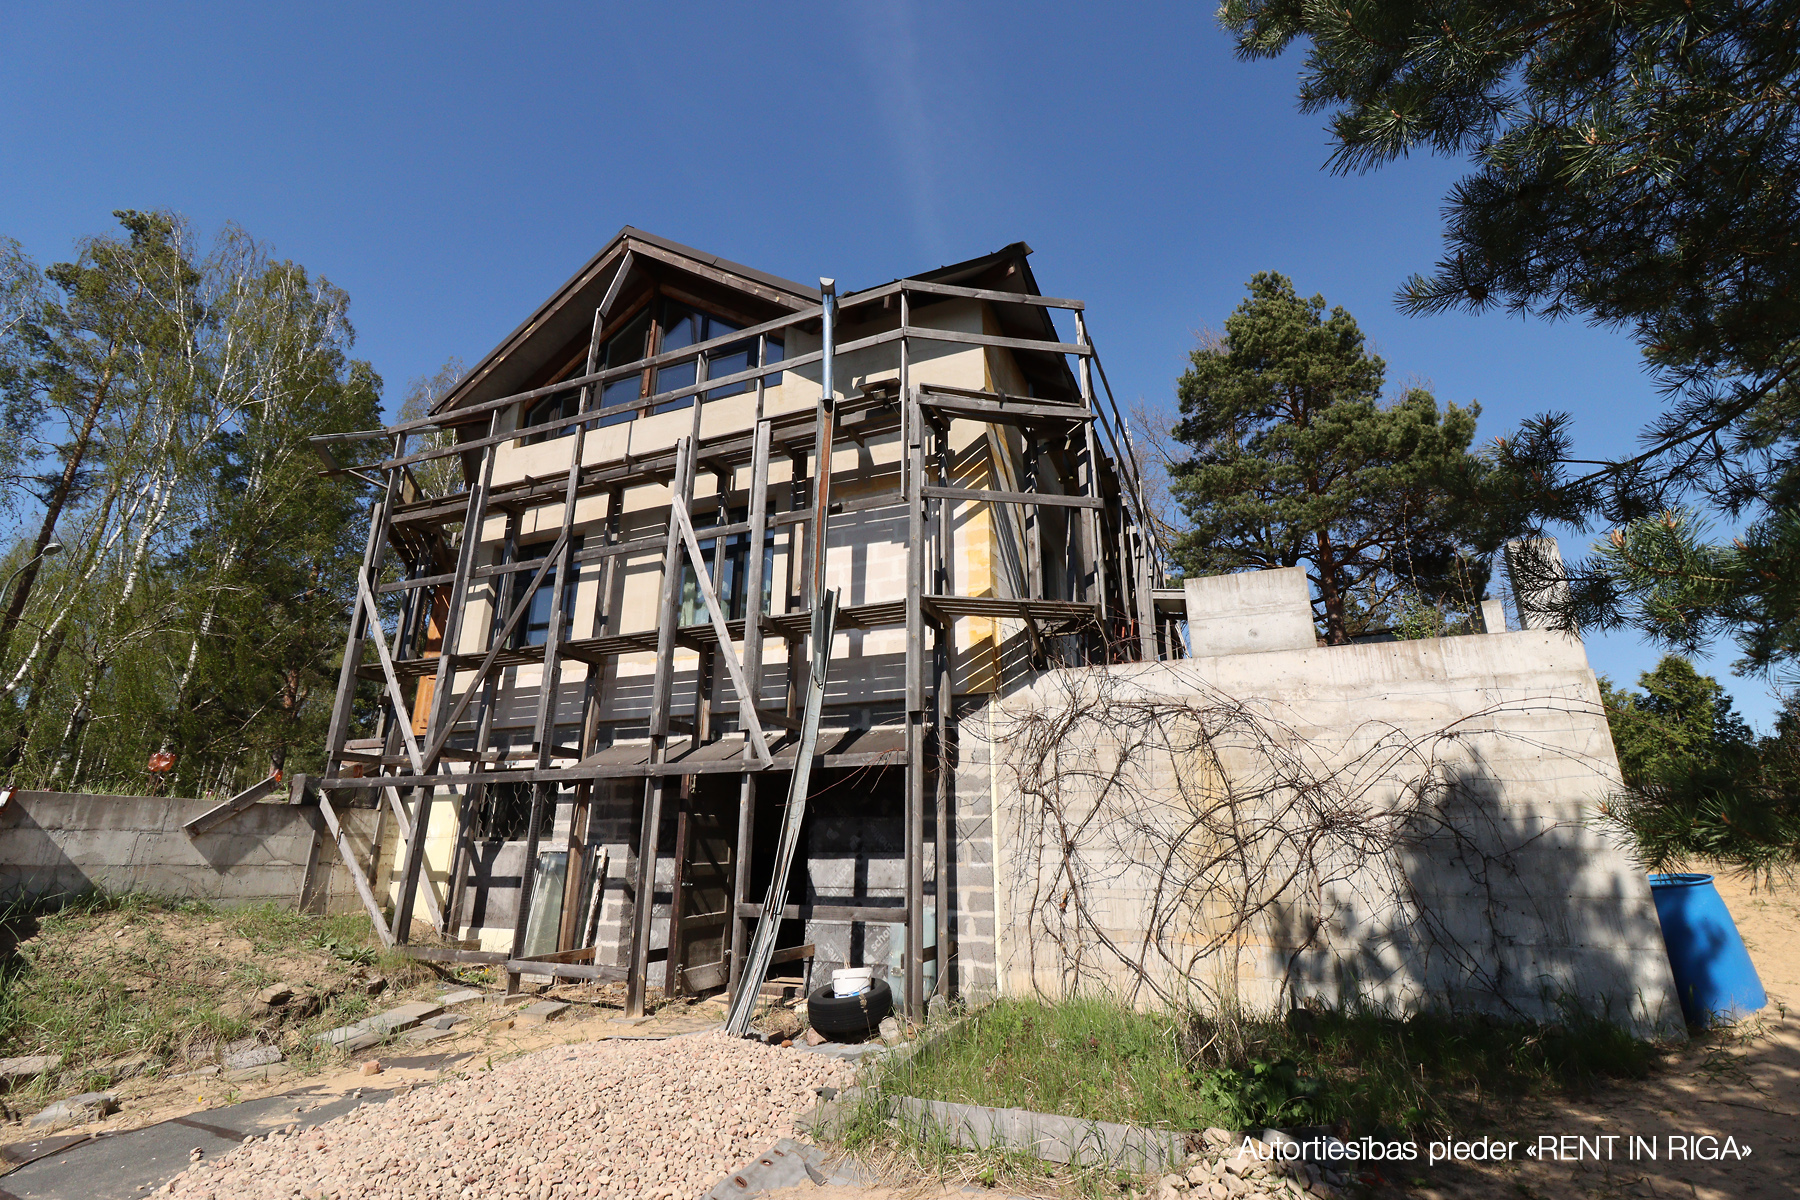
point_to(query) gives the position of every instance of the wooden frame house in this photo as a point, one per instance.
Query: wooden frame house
(589, 602)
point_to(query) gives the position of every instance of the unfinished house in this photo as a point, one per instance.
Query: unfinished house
(607, 572)
(707, 592)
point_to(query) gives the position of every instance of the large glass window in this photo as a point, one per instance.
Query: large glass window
(533, 628)
(677, 327)
(626, 346)
(735, 578)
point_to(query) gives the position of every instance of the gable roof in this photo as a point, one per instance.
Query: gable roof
(569, 312)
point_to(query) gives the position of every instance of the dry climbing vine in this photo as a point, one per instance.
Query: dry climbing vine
(1166, 831)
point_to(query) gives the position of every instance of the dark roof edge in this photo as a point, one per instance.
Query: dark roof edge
(810, 294)
(582, 277)
(614, 248)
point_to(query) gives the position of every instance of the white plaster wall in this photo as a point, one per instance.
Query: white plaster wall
(866, 558)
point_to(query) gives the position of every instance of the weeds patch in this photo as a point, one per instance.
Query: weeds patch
(121, 986)
(1355, 1069)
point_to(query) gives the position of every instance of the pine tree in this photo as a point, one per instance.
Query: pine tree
(1682, 719)
(1296, 460)
(1636, 165)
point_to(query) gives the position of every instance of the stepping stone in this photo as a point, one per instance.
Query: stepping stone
(363, 1040)
(425, 1034)
(405, 1017)
(252, 1074)
(460, 996)
(29, 1067)
(542, 1011)
(252, 1055)
(341, 1035)
(446, 1021)
(86, 1107)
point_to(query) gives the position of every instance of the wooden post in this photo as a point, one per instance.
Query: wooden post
(753, 667)
(436, 731)
(1089, 475)
(543, 795)
(944, 695)
(681, 494)
(672, 985)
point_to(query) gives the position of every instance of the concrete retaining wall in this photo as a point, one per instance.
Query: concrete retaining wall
(62, 844)
(1495, 892)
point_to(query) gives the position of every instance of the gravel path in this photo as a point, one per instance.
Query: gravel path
(615, 1118)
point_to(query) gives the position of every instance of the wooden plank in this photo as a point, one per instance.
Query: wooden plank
(1023, 415)
(886, 915)
(231, 807)
(637, 982)
(994, 496)
(956, 336)
(408, 585)
(348, 855)
(1088, 469)
(762, 942)
(402, 713)
(931, 288)
(447, 954)
(793, 954)
(588, 972)
(579, 954)
(677, 905)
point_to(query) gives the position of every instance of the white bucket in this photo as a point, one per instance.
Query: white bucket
(851, 982)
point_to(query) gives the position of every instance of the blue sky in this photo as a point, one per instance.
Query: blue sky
(450, 164)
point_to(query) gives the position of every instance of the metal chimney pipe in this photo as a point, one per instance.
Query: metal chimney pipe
(823, 439)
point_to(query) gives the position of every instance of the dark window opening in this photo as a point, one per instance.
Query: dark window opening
(533, 628)
(734, 576)
(504, 814)
(678, 327)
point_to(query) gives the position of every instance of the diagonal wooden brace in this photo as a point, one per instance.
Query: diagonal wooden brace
(746, 703)
(348, 854)
(379, 637)
(487, 663)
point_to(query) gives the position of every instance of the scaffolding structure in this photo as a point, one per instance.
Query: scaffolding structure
(1109, 557)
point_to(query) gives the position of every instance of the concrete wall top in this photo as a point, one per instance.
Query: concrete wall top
(1250, 613)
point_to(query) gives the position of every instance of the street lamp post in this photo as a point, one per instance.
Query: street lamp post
(51, 549)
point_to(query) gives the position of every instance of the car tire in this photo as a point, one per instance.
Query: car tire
(851, 1015)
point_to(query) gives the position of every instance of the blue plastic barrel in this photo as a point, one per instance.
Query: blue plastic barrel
(1713, 973)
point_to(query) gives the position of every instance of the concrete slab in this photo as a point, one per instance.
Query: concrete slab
(238, 1059)
(250, 1074)
(405, 1017)
(12, 1070)
(425, 1034)
(542, 1011)
(460, 996)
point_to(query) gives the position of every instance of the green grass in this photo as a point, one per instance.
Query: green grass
(107, 980)
(1356, 1069)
